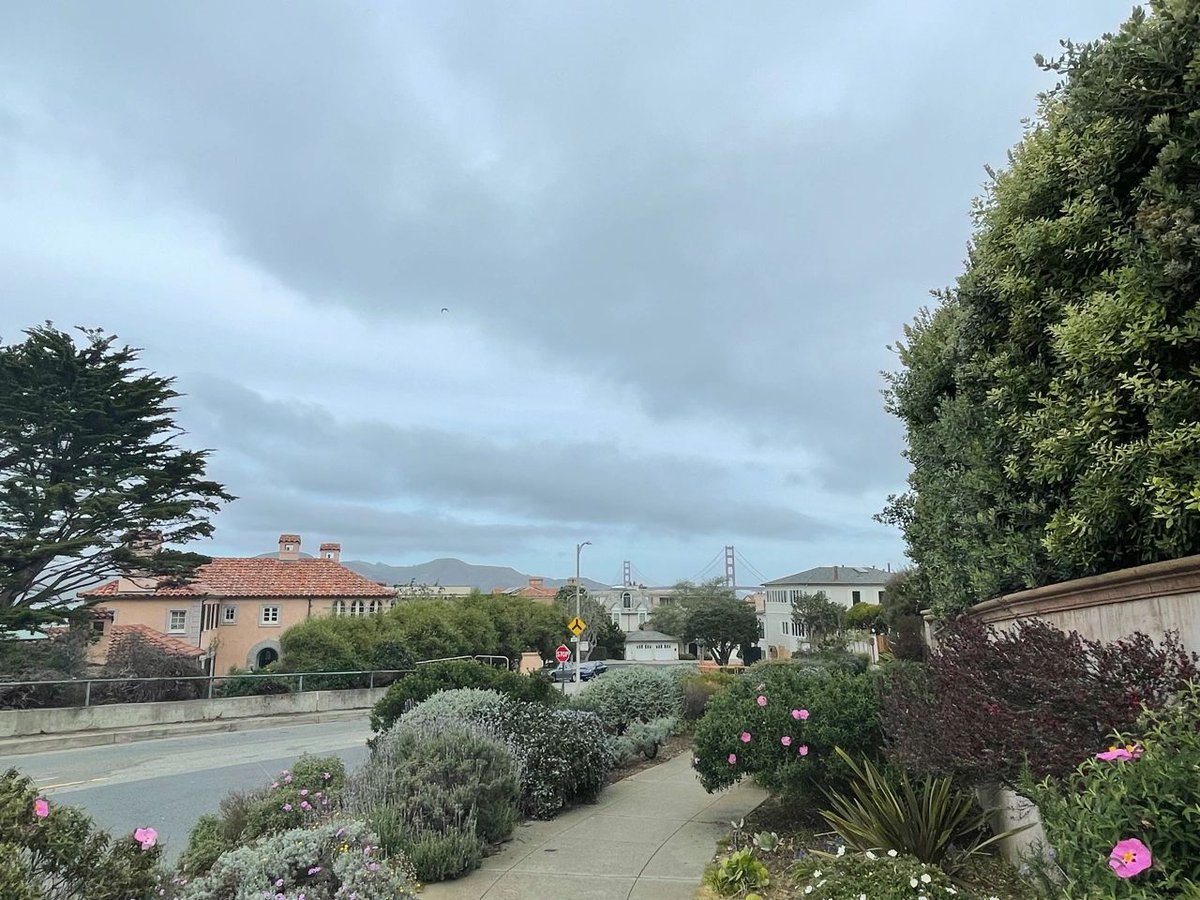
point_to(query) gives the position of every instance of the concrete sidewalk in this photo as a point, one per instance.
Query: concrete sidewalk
(648, 838)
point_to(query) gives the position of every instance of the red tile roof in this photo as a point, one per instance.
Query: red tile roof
(263, 577)
(156, 639)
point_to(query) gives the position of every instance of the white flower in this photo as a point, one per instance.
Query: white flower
(912, 882)
(871, 855)
(817, 874)
(925, 878)
(893, 854)
(842, 850)
(808, 890)
(862, 897)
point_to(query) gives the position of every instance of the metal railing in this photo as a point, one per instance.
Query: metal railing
(289, 677)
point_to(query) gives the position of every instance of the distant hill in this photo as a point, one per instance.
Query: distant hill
(451, 573)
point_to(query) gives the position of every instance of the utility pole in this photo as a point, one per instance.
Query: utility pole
(579, 639)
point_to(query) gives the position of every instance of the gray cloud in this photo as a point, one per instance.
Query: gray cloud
(720, 212)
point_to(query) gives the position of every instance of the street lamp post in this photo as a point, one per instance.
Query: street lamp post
(578, 638)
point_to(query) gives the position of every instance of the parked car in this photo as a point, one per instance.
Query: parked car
(566, 672)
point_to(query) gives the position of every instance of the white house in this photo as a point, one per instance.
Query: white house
(630, 606)
(651, 646)
(845, 585)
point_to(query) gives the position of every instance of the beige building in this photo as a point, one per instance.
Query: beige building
(236, 608)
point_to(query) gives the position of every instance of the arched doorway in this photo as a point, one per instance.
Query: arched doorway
(265, 657)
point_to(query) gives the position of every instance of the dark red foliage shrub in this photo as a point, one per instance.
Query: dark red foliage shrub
(987, 701)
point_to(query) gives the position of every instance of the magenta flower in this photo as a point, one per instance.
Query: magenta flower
(786, 740)
(147, 837)
(803, 751)
(1129, 857)
(1114, 753)
(733, 759)
(287, 807)
(41, 808)
(762, 701)
(305, 805)
(314, 870)
(745, 737)
(800, 714)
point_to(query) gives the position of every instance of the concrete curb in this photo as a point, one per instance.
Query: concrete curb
(48, 743)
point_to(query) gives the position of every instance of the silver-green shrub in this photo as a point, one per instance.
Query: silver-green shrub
(333, 861)
(626, 696)
(457, 705)
(644, 738)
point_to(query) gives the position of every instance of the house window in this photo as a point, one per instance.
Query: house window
(616, 617)
(357, 608)
(641, 617)
(881, 593)
(762, 629)
(855, 597)
(269, 615)
(229, 614)
(785, 627)
(339, 607)
(627, 600)
(177, 621)
(373, 607)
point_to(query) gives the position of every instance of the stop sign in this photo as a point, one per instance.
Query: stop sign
(563, 653)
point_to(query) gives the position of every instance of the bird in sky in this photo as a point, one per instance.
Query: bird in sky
(445, 309)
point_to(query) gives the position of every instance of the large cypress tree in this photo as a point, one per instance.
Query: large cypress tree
(88, 464)
(1052, 399)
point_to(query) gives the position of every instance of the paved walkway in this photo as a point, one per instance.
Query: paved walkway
(648, 838)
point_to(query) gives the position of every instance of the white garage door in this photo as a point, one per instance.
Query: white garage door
(665, 651)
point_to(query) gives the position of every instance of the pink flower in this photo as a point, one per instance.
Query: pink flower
(147, 837)
(287, 807)
(762, 701)
(803, 751)
(745, 737)
(314, 870)
(303, 792)
(1129, 857)
(786, 740)
(733, 759)
(1114, 753)
(304, 804)
(801, 714)
(326, 775)
(41, 808)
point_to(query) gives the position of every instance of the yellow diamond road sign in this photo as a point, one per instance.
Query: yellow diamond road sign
(576, 626)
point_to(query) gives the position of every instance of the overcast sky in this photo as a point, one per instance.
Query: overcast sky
(673, 241)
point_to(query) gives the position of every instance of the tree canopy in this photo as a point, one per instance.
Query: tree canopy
(88, 464)
(817, 617)
(710, 614)
(1052, 397)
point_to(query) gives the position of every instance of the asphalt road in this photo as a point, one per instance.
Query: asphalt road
(167, 784)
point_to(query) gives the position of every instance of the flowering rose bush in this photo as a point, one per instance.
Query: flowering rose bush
(780, 722)
(50, 852)
(1131, 816)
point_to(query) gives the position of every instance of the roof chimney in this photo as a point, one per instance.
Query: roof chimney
(835, 573)
(332, 552)
(289, 546)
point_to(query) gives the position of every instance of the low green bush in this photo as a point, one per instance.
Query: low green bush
(303, 795)
(425, 781)
(565, 755)
(245, 685)
(879, 876)
(865, 616)
(51, 852)
(631, 695)
(781, 723)
(332, 861)
(697, 688)
(426, 681)
(644, 738)
(737, 873)
(1149, 791)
